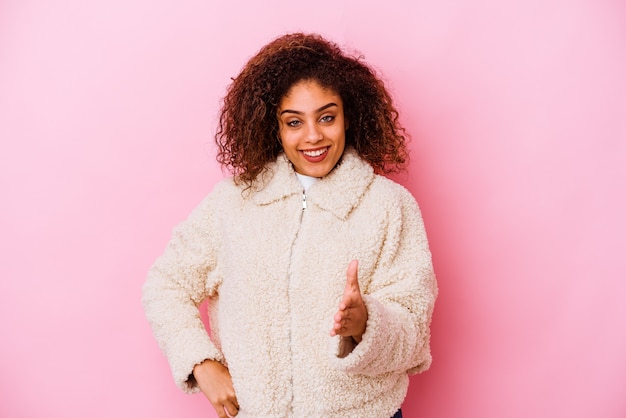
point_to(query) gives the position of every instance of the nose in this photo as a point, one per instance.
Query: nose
(314, 133)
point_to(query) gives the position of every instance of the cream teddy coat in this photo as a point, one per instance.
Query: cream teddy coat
(274, 273)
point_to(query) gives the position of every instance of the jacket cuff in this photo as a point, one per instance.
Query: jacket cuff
(350, 357)
(182, 368)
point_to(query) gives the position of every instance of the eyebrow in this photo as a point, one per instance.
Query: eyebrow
(297, 112)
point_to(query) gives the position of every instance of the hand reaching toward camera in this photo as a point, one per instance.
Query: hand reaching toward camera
(351, 318)
(215, 382)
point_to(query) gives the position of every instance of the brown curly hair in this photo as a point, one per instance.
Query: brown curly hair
(248, 133)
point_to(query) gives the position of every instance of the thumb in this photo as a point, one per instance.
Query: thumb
(352, 278)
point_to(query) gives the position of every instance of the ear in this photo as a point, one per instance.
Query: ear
(346, 124)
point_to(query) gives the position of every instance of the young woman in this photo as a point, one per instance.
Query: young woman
(316, 268)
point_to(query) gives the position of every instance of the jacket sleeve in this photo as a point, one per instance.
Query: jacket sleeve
(176, 285)
(399, 298)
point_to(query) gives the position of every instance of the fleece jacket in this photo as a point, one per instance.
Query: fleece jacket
(272, 262)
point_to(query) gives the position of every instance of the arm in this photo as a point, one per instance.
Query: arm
(399, 301)
(177, 283)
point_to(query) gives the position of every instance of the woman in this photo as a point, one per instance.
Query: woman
(316, 269)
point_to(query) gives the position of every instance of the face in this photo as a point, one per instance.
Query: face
(312, 128)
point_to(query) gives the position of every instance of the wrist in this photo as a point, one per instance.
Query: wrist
(202, 367)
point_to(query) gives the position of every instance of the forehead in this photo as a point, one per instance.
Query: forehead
(309, 93)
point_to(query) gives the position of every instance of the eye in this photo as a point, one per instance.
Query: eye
(327, 118)
(294, 123)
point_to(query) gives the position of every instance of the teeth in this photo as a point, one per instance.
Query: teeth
(316, 153)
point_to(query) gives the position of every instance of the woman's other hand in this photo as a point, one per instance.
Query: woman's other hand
(351, 318)
(215, 382)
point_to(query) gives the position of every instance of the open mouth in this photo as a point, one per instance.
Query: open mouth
(315, 155)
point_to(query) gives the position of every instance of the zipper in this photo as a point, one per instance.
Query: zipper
(294, 244)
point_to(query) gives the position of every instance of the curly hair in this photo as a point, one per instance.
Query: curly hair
(248, 133)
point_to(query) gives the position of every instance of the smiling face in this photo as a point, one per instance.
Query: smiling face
(312, 128)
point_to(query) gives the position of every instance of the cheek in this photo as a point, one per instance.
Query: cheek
(283, 132)
(289, 141)
(285, 137)
(339, 134)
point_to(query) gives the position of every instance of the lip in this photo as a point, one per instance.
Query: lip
(315, 159)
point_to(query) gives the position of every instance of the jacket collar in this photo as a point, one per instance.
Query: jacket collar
(339, 192)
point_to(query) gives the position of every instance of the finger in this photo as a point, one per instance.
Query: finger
(221, 412)
(337, 325)
(339, 317)
(231, 409)
(226, 413)
(352, 278)
(341, 323)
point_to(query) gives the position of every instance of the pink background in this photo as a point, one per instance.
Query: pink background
(518, 114)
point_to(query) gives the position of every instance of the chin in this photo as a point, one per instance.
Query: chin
(319, 171)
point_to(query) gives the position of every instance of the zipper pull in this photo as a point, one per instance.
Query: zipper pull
(303, 201)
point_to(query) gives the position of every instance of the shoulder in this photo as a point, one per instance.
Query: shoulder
(224, 188)
(355, 170)
(225, 194)
(391, 192)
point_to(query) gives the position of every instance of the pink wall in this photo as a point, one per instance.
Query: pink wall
(518, 114)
